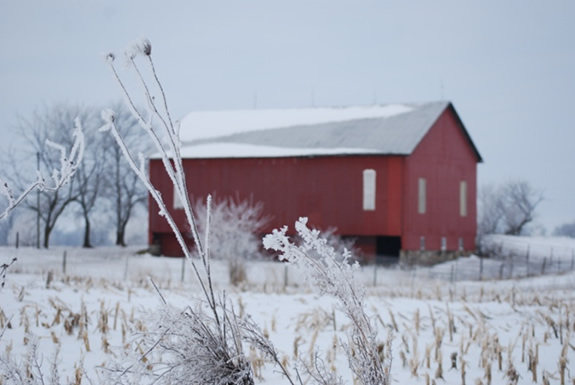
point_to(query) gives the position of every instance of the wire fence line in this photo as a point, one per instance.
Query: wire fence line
(504, 260)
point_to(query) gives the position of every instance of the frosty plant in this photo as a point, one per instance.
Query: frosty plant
(235, 227)
(69, 162)
(369, 360)
(205, 343)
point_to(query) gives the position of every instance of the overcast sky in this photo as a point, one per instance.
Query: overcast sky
(507, 66)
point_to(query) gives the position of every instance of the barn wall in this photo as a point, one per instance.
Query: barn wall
(328, 190)
(444, 158)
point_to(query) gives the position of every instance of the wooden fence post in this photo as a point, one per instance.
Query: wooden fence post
(184, 268)
(126, 268)
(511, 265)
(286, 276)
(64, 263)
(527, 260)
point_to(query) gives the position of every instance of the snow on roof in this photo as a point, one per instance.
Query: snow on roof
(239, 150)
(386, 129)
(210, 124)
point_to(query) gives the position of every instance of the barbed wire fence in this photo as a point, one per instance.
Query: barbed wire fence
(501, 259)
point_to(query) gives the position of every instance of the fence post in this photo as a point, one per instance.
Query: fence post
(481, 268)
(501, 270)
(527, 260)
(64, 263)
(126, 268)
(183, 268)
(374, 274)
(543, 266)
(285, 275)
(511, 265)
(17, 239)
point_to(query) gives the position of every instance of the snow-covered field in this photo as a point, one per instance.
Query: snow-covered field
(449, 330)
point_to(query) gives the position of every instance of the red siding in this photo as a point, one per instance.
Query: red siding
(328, 190)
(444, 158)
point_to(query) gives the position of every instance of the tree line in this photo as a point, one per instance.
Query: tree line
(103, 186)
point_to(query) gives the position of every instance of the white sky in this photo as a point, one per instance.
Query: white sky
(508, 66)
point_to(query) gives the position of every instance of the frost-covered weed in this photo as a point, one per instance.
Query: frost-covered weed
(235, 226)
(204, 343)
(368, 358)
(188, 344)
(29, 371)
(69, 162)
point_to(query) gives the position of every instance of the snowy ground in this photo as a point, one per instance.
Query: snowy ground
(90, 312)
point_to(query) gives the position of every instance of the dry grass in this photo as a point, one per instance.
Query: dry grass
(429, 346)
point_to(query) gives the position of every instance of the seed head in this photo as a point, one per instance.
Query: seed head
(144, 46)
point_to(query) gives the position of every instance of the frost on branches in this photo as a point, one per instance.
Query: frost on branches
(234, 236)
(205, 343)
(69, 162)
(369, 359)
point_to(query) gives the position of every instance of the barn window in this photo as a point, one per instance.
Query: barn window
(463, 198)
(460, 243)
(177, 201)
(369, 190)
(422, 243)
(443, 243)
(421, 207)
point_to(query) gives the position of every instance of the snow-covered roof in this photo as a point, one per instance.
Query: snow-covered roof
(384, 129)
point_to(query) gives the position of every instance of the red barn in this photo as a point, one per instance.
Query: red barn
(401, 179)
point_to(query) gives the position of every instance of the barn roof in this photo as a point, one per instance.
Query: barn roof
(386, 129)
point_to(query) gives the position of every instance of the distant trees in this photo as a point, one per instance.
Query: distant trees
(102, 185)
(507, 208)
(61, 172)
(122, 187)
(565, 230)
(53, 125)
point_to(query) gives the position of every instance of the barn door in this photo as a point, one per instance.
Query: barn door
(387, 249)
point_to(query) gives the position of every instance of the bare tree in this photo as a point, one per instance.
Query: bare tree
(53, 127)
(60, 176)
(90, 175)
(123, 188)
(508, 208)
(490, 213)
(565, 230)
(519, 201)
(6, 224)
